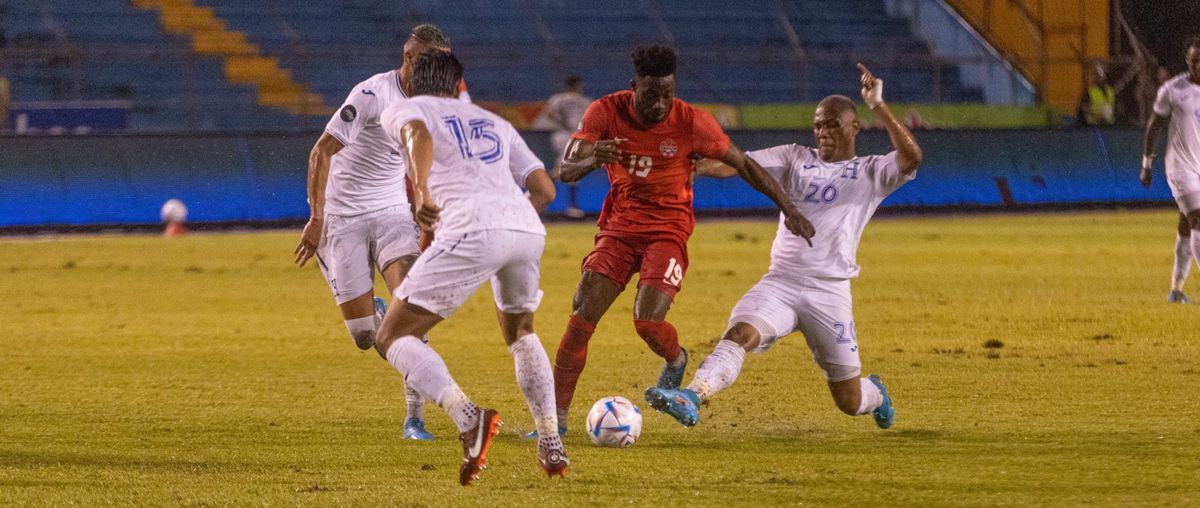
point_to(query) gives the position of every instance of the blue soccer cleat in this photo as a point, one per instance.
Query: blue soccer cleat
(885, 414)
(415, 429)
(683, 405)
(671, 378)
(380, 307)
(1178, 297)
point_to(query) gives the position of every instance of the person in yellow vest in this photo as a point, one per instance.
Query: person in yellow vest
(1098, 106)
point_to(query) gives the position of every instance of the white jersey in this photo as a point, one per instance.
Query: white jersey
(837, 197)
(479, 165)
(1179, 99)
(368, 174)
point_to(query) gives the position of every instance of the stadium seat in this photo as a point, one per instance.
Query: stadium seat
(513, 51)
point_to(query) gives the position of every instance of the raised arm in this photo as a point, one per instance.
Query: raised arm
(318, 175)
(1153, 128)
(417, 143)
(908, 152)
(757, 177)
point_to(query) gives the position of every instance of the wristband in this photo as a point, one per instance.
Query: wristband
(874, 96)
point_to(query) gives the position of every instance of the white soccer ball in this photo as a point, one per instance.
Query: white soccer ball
(614, 422)
(173, 211)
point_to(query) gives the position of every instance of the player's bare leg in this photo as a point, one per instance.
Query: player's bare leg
(394, 271)
(360, 318)
(414, 420)
(1193, 235)
(1183, 260)
(535, 378)
(426, 372)
(861, 395)
(593, 297)
(650, 308)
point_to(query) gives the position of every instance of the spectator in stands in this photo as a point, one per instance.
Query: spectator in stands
(562, 114)
(1098, 106)
(1162, 76)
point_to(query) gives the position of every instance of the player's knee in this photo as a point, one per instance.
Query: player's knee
(647, 329)
(363, 338)
(743, 335)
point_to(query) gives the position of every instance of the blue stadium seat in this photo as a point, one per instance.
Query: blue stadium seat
(513, 50)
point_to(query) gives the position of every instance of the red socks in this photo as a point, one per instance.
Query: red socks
(570, 359)
(572, 352)
(660, 336)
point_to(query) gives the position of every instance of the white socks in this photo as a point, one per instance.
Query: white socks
(1195, 236)
(870, 398)
(536, 380)
(414, 403)
(719, 370)
(362, 330)
(1183, 262)
(426, 372)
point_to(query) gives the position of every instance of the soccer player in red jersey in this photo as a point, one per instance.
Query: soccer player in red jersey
(645, 138)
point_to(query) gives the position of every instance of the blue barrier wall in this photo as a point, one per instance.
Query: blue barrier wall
(79, 180)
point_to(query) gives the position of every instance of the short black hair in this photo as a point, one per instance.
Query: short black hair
(840, 103)
(431, 35)
(655, 60)
(1193, 42)
(573, 81)
(436, 73)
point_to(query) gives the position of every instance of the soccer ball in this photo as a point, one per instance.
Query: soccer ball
(173, 211)
(614, 422)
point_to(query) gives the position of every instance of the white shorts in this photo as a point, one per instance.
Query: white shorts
(451, 269)
(820, 308)
(352, 247)
(1185, 187)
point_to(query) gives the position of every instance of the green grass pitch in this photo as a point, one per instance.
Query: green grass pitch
(207, 370)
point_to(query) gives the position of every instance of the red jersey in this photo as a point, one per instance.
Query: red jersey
(652, 187)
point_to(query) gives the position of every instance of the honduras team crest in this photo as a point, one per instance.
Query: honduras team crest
(668, 147)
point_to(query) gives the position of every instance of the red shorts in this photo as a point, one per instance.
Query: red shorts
(660, 261)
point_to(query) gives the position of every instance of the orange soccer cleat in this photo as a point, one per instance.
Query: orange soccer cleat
(475, 445)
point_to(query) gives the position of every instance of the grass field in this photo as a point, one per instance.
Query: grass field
(206, 370)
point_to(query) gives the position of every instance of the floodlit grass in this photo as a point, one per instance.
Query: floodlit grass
(206, 370)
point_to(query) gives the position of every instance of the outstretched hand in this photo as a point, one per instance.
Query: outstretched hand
(309, 240)
(872, 87)
(800, 226)
(427, 216)
(608, 151)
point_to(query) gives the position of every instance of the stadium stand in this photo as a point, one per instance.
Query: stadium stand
(108, 49)
(514, 51)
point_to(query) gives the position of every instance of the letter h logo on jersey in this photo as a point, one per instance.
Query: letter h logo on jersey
(851, 170)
